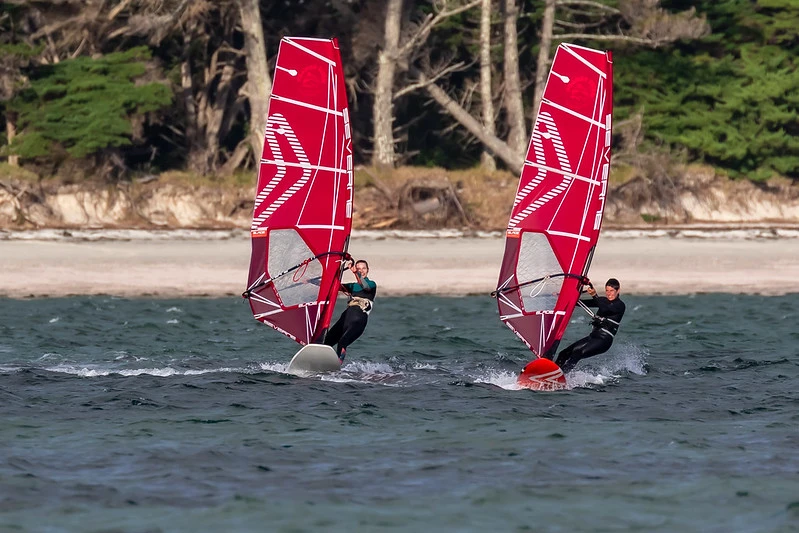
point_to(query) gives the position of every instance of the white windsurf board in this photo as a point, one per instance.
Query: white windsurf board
(315, 358)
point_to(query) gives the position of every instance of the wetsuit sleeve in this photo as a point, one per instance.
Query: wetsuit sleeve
(368, 289)
(593, 301)
(611, 308)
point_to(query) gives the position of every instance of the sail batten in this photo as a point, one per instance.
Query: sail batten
(557, 213)
(302, 213)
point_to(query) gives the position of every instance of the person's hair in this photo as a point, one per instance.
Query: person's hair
(613, 282)
(367, 264)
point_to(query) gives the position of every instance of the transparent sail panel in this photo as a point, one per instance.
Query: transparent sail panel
(287, 249)
(537, 260)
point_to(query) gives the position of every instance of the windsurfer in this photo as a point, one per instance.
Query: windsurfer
(352, 322)
(605, 323)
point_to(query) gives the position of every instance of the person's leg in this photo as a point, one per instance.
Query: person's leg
(567, 352)
(582, 349)
(334, 333)
(354, 326)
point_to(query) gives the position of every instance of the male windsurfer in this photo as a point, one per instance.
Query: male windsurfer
(352, 322)
(605, 323)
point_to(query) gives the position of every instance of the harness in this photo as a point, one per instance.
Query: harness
(364, 303)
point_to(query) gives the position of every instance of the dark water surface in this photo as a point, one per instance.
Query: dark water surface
(177, 415)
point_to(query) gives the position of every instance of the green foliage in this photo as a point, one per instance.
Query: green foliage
(650, 219)
(85, 105)
(19, 51)
(731, 99)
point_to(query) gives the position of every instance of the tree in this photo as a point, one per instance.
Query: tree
(259, 81)
(383, 155)
(633, 22)
(86, 106)
(514, 106)
(13, 58)
(730, 100)
(396, 52)
(486, 94)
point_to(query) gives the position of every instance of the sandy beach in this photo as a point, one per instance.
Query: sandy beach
(178, 267)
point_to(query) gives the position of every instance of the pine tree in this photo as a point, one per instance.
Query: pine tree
(85, 105)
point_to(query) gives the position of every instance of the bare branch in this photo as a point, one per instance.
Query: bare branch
(610, 38)
(491, 142)
(427, 25)
(433, 79)
(579, 26)
(597, 5)
(118, 9)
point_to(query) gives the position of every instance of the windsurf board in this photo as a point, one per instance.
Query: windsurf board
(542, 374)
(315, 358)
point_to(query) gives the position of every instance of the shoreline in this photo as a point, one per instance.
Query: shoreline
(203, 263)
(699, 231)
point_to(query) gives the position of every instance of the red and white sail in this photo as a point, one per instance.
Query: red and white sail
(557, 212)
(303, 204)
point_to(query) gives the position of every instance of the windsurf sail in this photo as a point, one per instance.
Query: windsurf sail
(303, 203)
(557, 213)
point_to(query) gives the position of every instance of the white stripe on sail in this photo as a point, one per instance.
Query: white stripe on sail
(306, 105)
(586, 179)
(569, 235)
(537, 142)
(320, 226)
(285, 129)
(581, 59)
(304, 166)
(308, 51)
(574, 113)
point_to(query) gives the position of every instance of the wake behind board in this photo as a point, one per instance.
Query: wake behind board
(315, 358)
(542, 374)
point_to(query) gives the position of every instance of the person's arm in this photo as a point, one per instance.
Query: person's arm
(593, 301)
(369, 288)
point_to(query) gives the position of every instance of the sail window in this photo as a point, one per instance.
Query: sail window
(287, 249)
(537, 260)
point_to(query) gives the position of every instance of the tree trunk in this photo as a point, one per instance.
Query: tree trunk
(514, 108)
(259, 82)
(542, 65)
(11, 132)
(383, 155)
(487, 160)
(193, 138)
(500, 148)
(215, 116)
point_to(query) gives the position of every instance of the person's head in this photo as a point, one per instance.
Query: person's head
(612, 287)
(362, 267)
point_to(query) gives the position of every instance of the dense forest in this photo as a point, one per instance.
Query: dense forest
(120, 89)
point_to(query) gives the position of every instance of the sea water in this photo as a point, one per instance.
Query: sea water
(148, 415)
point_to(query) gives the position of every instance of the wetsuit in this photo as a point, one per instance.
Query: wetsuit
(352, 322)
(605, 325)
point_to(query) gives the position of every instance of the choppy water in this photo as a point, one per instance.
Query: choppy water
(176, 415)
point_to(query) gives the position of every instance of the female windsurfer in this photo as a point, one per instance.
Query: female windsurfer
(352, 322)
(605, 324)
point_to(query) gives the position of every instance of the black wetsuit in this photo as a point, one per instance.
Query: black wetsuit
(352, 322)
(606, 324)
